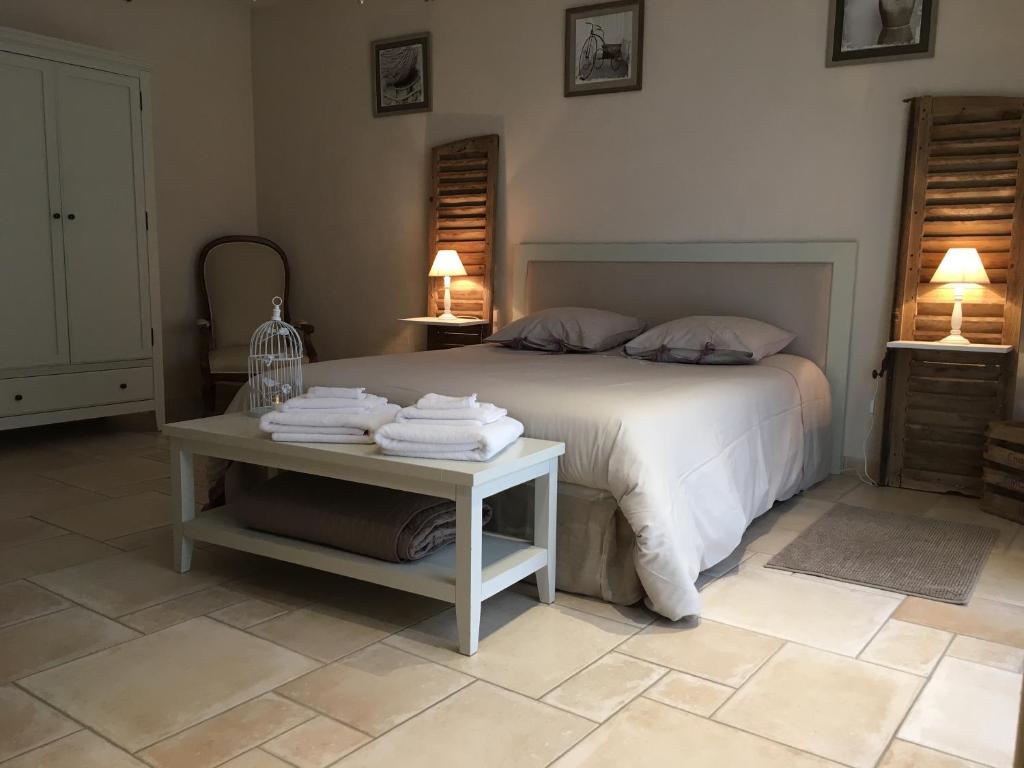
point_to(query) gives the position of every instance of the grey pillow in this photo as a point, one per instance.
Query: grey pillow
(710, 340)
(569, 329)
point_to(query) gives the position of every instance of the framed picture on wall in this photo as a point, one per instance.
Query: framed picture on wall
(881, 30)
(401, 75)
(604, 47)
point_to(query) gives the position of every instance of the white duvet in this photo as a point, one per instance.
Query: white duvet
(692, 453)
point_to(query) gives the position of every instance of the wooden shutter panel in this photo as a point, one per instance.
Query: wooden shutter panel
(462, 205)
(963, 188)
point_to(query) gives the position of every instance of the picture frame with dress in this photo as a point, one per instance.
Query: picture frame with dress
(401, 75)
(862, 31)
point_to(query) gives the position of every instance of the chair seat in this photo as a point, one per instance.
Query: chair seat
(233, 360)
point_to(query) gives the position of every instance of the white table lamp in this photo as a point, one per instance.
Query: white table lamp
(448, 265)
(960, 267)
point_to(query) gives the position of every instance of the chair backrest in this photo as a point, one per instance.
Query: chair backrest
(239, 275)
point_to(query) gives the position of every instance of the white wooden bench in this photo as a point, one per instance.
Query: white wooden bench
(477, 566)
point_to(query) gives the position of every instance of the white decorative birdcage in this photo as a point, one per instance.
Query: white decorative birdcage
(275, 363)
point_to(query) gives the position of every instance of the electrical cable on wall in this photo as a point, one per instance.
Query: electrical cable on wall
(863, 474)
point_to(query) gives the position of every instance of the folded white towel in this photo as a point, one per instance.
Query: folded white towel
(484, 413)
(305, 403)
(364, 420)
(431, 441)
(350, 393)
(319, 437)
(304, 430)
(445, 401)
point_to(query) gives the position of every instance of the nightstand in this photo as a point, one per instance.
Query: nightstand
(449, 334)
(940, 399)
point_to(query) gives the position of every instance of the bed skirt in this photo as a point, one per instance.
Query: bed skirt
(594, 549)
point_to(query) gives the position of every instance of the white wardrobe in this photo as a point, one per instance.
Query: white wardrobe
(79, 291)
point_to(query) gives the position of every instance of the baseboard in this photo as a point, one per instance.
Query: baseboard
(855, 465)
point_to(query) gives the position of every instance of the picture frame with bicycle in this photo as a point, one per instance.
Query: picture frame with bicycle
(604, 48)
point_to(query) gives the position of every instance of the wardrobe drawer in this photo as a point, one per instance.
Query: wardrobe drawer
(58, 392)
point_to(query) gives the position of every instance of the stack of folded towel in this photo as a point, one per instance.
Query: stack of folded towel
(443, 427)
(329, 415)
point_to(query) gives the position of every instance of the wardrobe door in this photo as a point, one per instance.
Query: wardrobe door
(33, 327)
(100, 130)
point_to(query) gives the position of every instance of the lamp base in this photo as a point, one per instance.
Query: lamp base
(447, 316)
(955, 338)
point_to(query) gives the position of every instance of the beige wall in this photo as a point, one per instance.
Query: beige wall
(740, 133)
(203, 130)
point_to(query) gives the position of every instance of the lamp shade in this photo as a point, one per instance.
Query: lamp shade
(447, 264)
(960, 265)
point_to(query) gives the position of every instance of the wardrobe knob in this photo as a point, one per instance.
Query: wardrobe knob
(124, 386)
(71, 217)
(19, 398)
(56, 215)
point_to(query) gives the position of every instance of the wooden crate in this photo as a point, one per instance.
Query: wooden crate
(940, 402)
(1003, 492)
(443, 337)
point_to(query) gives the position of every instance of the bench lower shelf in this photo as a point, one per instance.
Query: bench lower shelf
(504, 561)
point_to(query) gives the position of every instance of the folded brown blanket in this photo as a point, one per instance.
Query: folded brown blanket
(377, 522)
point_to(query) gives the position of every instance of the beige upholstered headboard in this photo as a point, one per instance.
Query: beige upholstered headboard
(792, 296)
(806, 288)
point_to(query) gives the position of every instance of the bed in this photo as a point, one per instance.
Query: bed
(665, 465)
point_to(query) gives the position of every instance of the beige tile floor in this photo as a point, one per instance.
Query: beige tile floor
(109, 659)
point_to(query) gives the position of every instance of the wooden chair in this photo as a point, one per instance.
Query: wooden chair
(238, 276)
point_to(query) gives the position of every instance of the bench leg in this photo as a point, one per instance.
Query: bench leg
(468, 547)
(183, 493)
(545, 500)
